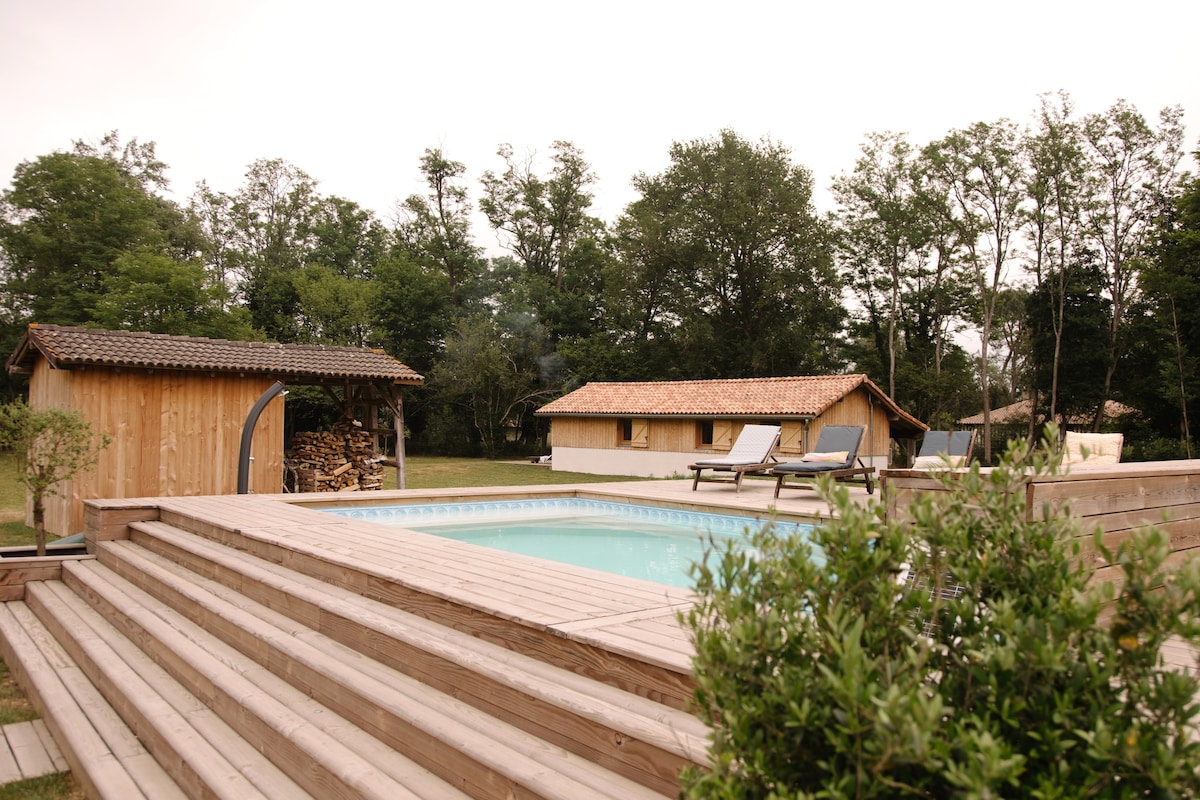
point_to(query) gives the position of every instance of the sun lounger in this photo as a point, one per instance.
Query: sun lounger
(836, 456)
(943, 449)
(750, 454)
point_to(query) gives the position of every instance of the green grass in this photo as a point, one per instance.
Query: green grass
(60, 786)
(431, 472)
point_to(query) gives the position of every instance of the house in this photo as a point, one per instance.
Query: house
(174, 406)
(1017, 414)
(657, 428)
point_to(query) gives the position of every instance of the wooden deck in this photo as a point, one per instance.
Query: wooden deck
(256, 644)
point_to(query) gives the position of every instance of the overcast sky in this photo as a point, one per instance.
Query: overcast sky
(352, 92)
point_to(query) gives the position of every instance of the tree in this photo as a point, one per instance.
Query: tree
(69, 217)
(881, 234)
(147, 291)
(728, 236)
(52, 445)
(1057, 185)
(264, 235)
(979, 172)
(491, 371)
(542, 219)
(1134, 167)
(959, 651)
(436, 229)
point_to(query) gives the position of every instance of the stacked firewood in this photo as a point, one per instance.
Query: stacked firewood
(340, 460)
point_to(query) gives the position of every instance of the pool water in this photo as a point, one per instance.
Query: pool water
(647, 542)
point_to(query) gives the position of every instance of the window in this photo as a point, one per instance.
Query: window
(625, 431)
(704, 433)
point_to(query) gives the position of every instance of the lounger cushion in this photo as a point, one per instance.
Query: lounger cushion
(937, 462)
(836, 458)
(808, 466)
(1102, 448)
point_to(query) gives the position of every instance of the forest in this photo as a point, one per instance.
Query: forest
(1056, 260)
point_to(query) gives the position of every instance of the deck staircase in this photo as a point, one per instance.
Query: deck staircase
(183, 662)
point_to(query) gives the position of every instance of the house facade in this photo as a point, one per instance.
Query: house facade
(658, 428)
(174, 406)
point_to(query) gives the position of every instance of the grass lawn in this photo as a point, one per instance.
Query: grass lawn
(423, 472)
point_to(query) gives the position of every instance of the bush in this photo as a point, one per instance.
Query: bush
(961, 655)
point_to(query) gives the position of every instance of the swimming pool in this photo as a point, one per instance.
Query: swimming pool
(638, 541)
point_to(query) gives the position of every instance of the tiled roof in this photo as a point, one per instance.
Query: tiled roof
(801, 396)
(1018, 414)
(66, 347)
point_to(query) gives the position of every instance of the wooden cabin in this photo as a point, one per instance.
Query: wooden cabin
(657, 428)
(174, 407)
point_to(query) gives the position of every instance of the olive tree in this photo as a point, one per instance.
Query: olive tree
(52, 445)
(962, 651)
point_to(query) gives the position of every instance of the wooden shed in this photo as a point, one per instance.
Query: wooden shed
(657, 428)
(174, 406)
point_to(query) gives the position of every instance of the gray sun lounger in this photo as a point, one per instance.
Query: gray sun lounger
(833, 441)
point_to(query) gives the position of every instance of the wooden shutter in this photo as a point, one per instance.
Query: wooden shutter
(722, 434)
(641, 433)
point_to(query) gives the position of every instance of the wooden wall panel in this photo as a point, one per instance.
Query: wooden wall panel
(173, 433)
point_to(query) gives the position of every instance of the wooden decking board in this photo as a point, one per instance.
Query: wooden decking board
(167, 718)
(103, 754)
(340, 680)
(318, 749)
(522, 688)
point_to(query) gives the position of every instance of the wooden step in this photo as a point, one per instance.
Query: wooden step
(202, 754)
(636, 737)
(459, 594)
(320, 751)
(104, 755)
(485, 756)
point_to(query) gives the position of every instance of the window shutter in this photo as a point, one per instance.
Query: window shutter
(641, 433)
(722, 434)
(791, 437)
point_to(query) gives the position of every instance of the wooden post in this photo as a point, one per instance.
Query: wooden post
(398, 418)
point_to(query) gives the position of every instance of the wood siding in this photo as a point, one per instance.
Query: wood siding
(679, 435)
(1119, 499)
(172, 432)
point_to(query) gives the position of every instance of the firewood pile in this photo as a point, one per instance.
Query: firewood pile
(340, 460)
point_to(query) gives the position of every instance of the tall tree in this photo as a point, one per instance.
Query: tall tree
(745, 263)
(266, 234)
(435, 228)
(68, 218)
(980, 171)
(1134, 166)
(1057, 184)
(883, 238)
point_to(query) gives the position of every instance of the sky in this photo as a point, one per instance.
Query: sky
(353, 92)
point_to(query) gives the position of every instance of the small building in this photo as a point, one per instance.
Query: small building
(1013, 421)
(174, 406)
(657, 428)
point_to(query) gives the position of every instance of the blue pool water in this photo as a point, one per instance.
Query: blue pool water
(656, 544)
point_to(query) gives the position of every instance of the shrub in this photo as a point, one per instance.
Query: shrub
(962, 655)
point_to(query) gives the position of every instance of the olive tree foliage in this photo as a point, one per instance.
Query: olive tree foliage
(52, 445)
(1134, 168)
(730, 262)
(959, 652)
